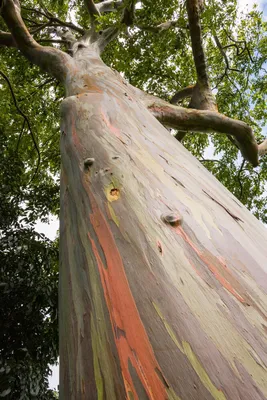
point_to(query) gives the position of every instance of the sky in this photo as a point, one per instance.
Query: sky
(248, 4)
(50, 230)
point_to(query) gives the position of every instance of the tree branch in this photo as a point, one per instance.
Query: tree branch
(128, 13)
(6, 39)
(108, 6)
(92, 10)
(49, 59)
(205, 121)
(26, 120)
(160, 27)
(202, 97)
(182, 94)
(69, 25)
(239, 179)
(221, 49)
(197, 42)
(52, 20)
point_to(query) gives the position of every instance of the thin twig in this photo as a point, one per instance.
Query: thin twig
(240, 42)
(220, 47)
(239, 180)
(207, 160)
(34, 10)
(27, 122)
(20, 135)
(50, 80)
(51, 18)
(53, 41)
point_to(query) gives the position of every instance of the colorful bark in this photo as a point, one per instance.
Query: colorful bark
(150, 310)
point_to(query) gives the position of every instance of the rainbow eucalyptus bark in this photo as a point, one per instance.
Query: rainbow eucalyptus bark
(163, 289)
(163, 283)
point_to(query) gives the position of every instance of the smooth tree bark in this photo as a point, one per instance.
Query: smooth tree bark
(163, 289)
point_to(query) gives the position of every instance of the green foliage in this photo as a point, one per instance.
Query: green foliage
(28, 285)
(162, 64)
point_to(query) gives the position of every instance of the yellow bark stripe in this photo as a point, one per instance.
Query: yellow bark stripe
(186, 349)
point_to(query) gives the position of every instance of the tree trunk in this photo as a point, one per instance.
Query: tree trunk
(162, 271)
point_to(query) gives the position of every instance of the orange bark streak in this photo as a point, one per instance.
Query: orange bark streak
(130, 335)
(222, 274)
(112, 128)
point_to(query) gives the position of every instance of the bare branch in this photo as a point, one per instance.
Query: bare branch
(182, 94)
(49, 59)
(205, 121)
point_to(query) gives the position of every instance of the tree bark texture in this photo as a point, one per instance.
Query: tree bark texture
(163, 283)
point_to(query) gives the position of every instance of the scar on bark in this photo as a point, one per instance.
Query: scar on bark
(225, 208)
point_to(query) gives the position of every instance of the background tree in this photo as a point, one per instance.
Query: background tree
(98, 351)
(29, 278)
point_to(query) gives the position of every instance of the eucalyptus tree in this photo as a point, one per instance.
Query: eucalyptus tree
(162, 291)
